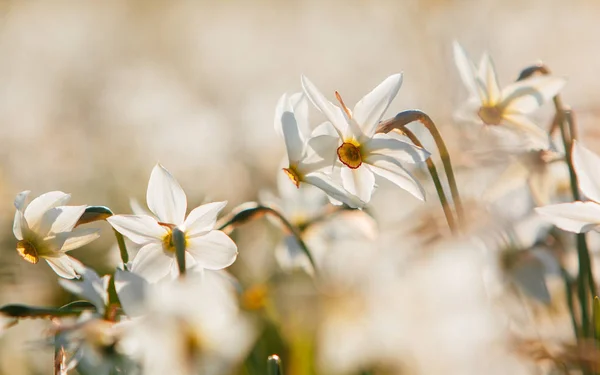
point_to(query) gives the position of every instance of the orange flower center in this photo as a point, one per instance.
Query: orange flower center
(349, 154)
(293, 175)
(490, 115)
(255, 297)
(27, 251)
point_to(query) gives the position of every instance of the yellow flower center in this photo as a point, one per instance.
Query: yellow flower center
(255, 297)
(169, 244)
(293, 175)
(27, 251)
(349, 154)
(192, 344)
(490, 115)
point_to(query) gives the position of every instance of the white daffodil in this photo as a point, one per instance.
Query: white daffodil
(539, 170)
(205, 247)
(578, 216)
(45, 230)
(361, 151)
(506, 108)
(185, 326)
(92, 287)
(306, 209)
(308, 153)
(95, 345)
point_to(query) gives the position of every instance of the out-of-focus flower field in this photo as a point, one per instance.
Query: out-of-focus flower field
(119, 102)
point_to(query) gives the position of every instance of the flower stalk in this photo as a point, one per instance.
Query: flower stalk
(586, 286)
(404, 118)
(436, 181)
(250, 211)
(274, 365)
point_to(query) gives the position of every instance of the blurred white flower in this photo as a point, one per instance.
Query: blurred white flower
(578, 216)
(306, 208)
(205, 247)
(361, 152)
(94, 344)
(539, 170)
(358, 308)
(308, 154)
(186, 326)
(91, 287)
(45, 230)
(506, 108)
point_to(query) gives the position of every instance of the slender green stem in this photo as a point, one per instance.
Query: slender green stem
(569, 294)
(436, 181)
(582, 253)
(178, 238)
(569, 118)
(596, 313)
(584, 271)
(252, 210)
(585, 282)
(404, 118)
(274, 365)
(122, 248)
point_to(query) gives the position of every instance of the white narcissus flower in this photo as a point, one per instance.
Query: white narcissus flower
(506, 108)
(363, 153)
(45, 230)
(538, 169)
(94, 344)
(204, 246)
(307, 163)
(578, 216)
(306, 209)
(185, 326)
(92, 287)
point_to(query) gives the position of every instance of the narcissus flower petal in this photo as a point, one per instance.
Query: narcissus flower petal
(578, 217)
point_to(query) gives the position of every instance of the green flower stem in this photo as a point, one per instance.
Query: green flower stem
(586, 286)
(122, 248)
(568, 116)
(95, 213)
(252, 210)
(179, 241)
(404, 118)
(596, 311)
(569, 294)
(436, 181)
(274, 365)
(582, 251)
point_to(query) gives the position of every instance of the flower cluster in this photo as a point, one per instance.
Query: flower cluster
(342, 156)
(331, 298)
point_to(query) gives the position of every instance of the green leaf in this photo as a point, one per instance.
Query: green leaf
(23, 311)
(94, 213)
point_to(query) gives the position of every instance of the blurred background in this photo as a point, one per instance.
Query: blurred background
(93, 94)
